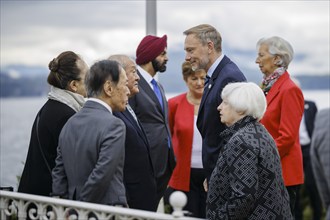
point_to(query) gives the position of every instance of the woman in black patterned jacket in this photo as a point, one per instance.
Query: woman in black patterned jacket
(247, 181)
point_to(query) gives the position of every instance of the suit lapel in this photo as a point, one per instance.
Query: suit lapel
(130, 118)
(144, 85)
(138, 127)
(215, 74)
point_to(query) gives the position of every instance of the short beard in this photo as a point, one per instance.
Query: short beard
(158, 67)
(202, 64)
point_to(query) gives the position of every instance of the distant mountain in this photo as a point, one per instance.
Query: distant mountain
(20, 80)
(173, 82)
(23, 80)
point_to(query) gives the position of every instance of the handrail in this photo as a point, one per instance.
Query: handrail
(48, 208)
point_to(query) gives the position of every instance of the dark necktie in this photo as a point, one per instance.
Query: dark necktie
(207, 79)
(157, 92)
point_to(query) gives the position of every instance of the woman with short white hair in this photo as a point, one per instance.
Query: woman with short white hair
(285, 108)
(247, 181)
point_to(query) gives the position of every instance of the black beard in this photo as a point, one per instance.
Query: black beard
(158, 67)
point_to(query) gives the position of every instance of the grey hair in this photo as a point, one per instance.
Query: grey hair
(121, 59)
(278, 46)
(245, 97)
(206, 33)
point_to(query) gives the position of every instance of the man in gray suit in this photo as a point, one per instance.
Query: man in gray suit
(150, 106)
(90, 160)
(320, 154)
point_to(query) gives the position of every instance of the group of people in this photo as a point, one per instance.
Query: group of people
(230, 145)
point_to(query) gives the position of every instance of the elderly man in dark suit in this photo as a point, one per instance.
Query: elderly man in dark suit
(91, 150)
(150, 107)
(139, 178)
(204, 51)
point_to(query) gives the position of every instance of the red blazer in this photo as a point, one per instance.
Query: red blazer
(285, 107)
(181, 122)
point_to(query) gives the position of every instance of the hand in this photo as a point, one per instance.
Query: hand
(205, 185)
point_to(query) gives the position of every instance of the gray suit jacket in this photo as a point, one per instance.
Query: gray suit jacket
(90, 159)
(155, 123)
(320, 155)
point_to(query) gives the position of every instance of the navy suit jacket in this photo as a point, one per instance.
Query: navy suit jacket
(139, 179)
(154, 120)
(208, 121)
(310, 111)
(309, 115)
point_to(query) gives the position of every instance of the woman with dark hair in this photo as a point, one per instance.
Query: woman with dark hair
(66, 97)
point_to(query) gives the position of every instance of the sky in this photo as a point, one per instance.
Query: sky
(34, 32)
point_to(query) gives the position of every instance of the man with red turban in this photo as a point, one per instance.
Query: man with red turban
(150, 107)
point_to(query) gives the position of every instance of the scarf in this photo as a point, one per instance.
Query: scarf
(71, 99)
(268, 81)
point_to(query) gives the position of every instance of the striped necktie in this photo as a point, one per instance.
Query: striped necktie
(207, 79)
(129, 108)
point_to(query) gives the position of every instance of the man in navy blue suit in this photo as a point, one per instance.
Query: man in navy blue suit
(139, 178)
(204, 51)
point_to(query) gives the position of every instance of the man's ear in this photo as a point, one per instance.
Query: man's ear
(210, 46)
(107, 88)
(73, 87)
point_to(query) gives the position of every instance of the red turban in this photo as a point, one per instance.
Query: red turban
(149, 48)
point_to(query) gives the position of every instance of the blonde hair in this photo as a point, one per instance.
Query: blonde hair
(206, 33)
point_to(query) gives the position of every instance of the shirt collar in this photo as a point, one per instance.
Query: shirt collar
(145, 75)
(214, 65)
(101, 102)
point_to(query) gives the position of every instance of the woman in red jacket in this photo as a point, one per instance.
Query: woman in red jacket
(188, 175)
(285, 107)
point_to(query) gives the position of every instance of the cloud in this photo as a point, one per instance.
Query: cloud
(33, 32)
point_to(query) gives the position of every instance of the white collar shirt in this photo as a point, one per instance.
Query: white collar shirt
(214, 65)
(101, 102)
(146, 76)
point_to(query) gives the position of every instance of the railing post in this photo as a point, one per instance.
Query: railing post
(178, 200)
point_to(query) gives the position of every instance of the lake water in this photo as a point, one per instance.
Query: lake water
(18, 114)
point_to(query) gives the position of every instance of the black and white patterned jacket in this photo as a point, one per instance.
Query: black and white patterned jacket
(247, 181)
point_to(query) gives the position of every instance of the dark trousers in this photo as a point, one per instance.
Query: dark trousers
(196, 197)
(310, 188)
(293, 191)
(161, 184)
